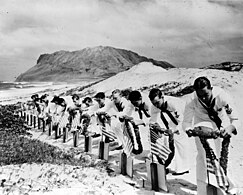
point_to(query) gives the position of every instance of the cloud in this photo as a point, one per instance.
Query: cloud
(236, 5)
(186, 33)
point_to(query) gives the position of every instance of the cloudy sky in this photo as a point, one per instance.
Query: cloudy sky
(186, 33)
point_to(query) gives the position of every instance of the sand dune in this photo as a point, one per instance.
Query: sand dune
(138, 77)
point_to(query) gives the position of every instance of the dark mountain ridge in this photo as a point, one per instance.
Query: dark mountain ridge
(89, 63)
(228, 66)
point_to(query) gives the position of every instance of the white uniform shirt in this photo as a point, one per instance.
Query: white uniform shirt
(112, 109)
(133, 111)
(195, 114)
(175, 106)
(91, 109)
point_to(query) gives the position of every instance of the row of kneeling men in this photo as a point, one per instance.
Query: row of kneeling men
(156, 122)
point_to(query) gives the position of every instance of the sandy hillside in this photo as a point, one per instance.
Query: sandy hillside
(146, 74)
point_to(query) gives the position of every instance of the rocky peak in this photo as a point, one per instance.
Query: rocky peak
(88, 63)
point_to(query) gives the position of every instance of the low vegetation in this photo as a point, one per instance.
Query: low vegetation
(16, 147)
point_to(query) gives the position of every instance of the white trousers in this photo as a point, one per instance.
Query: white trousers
(182, 158)
(180, 162)
(116, 127)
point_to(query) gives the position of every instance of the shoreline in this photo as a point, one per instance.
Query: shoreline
(14, 95)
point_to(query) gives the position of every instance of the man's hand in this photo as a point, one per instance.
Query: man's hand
(189, 132)
(168, 132)
(154, 125)
(125, 117)
(103, 116)
(101, 113)
(157, 128)
(139, 122)
(176, 131)
(228, 131)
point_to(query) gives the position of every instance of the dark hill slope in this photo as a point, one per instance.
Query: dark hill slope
(228, 66)
(88, 63)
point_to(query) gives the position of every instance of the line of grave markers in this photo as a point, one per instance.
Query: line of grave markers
(156, 173)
